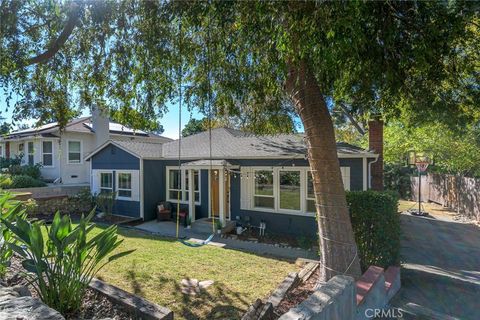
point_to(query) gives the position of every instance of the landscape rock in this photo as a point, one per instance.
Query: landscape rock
(22, 290)
(14, 307)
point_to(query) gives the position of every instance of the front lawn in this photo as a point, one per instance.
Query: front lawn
(158, 265)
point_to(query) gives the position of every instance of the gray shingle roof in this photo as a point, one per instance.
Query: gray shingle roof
(234, 144)
(149, 150)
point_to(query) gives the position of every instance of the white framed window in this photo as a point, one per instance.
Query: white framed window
(47, 153)
(264, 189)
(74, 151)
(310, 194)
(178, 185)
(31, 153)
(124, 185)
(106, 182)
(283, 190)
(2, 151)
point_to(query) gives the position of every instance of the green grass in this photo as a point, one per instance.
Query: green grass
(155, 270)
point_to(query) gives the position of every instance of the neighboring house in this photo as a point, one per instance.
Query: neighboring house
(62, 154)
(248, 177)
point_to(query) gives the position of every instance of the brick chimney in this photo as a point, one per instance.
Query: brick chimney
(375, 143)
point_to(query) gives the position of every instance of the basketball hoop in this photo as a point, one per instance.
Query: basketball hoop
(421, 160)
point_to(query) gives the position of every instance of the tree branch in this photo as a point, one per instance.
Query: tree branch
(55, 46)
(351, 118)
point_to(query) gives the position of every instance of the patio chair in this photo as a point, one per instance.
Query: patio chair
(164, 211)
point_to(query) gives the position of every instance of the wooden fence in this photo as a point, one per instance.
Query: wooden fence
(461, 194)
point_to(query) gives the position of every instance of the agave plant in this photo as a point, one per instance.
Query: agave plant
(9, 210)
(62, 259)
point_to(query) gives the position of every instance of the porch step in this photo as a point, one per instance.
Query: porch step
(202, 226)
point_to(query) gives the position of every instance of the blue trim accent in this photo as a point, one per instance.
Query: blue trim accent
(112, 157)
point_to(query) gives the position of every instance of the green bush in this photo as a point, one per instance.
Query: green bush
(376, 224)
(27, 170)
(22, 181)
(9, 210)
(105, 202)
(62, 261)
(5, 181)
(7, 163)
(397, 178)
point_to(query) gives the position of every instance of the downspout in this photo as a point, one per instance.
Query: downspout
(370, 171)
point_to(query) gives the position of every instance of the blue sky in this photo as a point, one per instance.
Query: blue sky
(169, 120)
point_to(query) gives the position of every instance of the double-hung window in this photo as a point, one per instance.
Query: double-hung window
(74, 152)
(179, 185)
(124, 185)
(47, 153)
(264, 196)
(106, 182)
(31, 153)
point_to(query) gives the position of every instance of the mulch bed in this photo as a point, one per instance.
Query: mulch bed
(298, 294)
(94, 306)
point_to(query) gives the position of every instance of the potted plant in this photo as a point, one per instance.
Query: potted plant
(189, 222)
(218, 226)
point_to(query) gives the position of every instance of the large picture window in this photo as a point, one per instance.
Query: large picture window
(179, 185)
(290, 198)
(124, 185)
(264, 193)
(47, 153)
(74, 152)
(106, 182)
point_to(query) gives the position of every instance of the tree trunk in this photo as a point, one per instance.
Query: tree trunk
(338, 253)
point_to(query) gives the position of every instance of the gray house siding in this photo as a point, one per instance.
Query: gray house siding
(112, 157)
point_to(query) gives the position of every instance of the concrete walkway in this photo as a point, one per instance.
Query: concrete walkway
(440, 269)
(168, 229)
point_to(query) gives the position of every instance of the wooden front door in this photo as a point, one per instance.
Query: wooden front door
(215, 192)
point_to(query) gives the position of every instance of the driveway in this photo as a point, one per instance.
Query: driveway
(440, 269)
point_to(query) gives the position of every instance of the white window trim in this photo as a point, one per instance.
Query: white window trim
(100, 182)
(68, 152)
(276, 189)
(43, 153)
(2, 152)
(182, 185)
(117, 185)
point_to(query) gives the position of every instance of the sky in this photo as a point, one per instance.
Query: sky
(169, 120)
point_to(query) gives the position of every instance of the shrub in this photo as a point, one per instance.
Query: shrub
(7, 163)
(397, 178)
(9, 210)
(61, 262)
(376, 224)
(23, 181)
(5, 181)
(105, 202)
(28, 170)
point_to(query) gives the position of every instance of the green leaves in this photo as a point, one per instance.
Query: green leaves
(62, 259)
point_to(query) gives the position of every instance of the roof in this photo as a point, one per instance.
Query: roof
(82, 125)
(229, 144)
(143, 150)
(234, 144)
(207, 163)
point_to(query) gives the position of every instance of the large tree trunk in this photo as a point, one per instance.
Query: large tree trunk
(337, 243)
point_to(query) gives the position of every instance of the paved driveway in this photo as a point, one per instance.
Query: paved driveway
(440, 269)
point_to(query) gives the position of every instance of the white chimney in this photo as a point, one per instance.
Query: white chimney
(100, 125)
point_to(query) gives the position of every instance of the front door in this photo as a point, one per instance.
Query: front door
(215, 193)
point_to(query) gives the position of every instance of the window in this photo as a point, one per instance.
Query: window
(74, 152)
(20, 148)
(263, 191)
(179, 185)
(124, 185)
(346, 177)
(47, 153)
(1, 150)
(310, 193)
(289, 182)
(174, 185)
(31, 153)
(106, 182)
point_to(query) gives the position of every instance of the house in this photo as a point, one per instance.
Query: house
(242, 177)
(61, 154)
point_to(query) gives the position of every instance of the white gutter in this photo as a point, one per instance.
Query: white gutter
(370, 171)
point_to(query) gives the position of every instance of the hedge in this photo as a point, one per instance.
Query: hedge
(20, 181)
(376, 224)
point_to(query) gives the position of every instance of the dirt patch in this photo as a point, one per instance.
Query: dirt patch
(298, 294)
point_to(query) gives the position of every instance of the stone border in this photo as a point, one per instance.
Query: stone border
(277, 245)
(137, 306)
